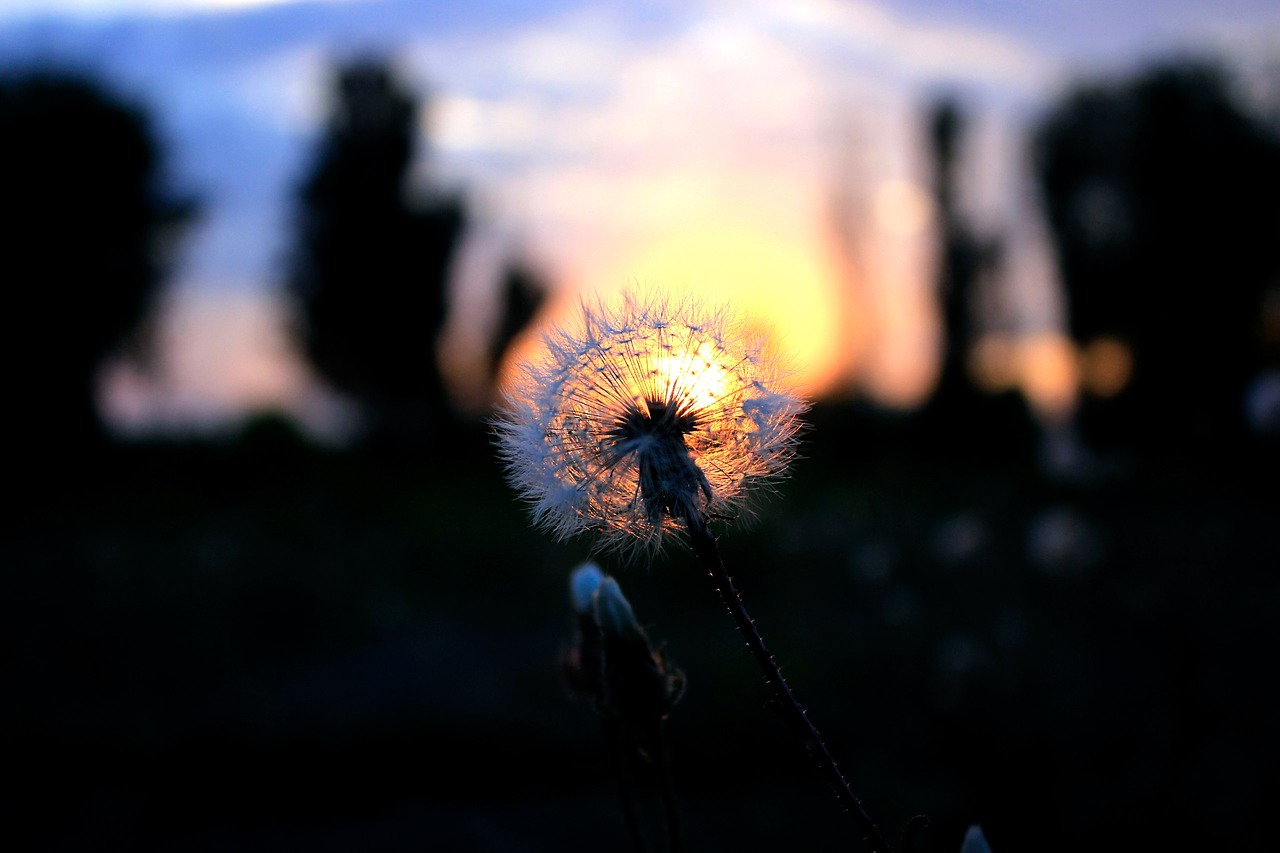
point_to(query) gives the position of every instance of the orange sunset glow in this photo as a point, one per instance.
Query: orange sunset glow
(839, 339)
(787, 286)
(725, 160)
(783, 287)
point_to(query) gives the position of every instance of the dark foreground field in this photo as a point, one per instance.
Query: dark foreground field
(264, 646)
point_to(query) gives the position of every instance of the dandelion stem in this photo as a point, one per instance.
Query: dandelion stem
(704, 546)
(670, 808)
(626, 785)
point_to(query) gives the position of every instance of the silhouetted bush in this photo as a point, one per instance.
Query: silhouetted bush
(90, 230)
(523, 294)
(959, 418)
(373, 260)
(1163, 193)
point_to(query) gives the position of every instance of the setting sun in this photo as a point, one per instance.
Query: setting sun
(695, 373)
(782, 286)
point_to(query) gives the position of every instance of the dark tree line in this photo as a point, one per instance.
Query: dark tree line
(1161, 190)
(1162, 193)
(92, 229)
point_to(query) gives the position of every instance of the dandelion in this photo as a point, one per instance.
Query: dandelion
(643, 417)
(650, 418)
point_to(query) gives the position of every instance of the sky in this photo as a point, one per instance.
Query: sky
(766, 151)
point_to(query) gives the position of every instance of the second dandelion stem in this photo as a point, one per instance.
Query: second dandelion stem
(704, 546)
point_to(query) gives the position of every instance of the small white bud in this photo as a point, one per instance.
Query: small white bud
(613, 611)
(975, 841)
(583, 583)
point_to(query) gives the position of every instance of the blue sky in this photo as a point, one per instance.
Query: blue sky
(606, 140)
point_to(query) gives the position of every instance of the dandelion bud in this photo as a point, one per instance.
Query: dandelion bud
(613, 612)
(583, 583)
(583, 663)
(975, 841)
(612, 660)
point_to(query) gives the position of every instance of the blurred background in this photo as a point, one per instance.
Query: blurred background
(269, 262)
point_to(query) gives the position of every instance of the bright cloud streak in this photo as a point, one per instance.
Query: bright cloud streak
(107, 9)
(912, 47)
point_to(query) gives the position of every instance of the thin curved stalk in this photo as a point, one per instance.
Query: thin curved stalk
(704, 546)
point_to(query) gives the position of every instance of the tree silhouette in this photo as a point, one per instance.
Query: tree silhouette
(89, 235)
(959, 418)
(963, 257)
(373, 261)
(1164, 197)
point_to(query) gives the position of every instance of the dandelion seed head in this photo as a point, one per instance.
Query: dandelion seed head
(646, 413)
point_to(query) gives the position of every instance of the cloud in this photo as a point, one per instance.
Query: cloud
(108, 9)
(884, 40)
(596, 132)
